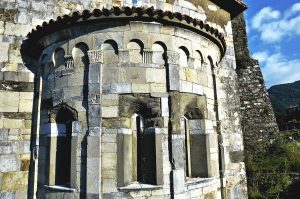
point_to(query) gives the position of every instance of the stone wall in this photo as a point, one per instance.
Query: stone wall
(258, 120)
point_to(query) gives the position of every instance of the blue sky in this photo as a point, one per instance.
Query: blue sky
(274, 38)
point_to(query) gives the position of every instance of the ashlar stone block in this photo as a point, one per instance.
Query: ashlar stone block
(141, 88)
(121, 88)
(9, 101)
(3, 50)
(9, 163)
(156, 75)
(110, 111)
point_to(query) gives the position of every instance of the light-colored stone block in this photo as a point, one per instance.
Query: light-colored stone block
(25, 105)
(13, 123)
(141, 88)
(109, 160)
(110, 111)
(158, 88)
(26, 95)
(164, 107)
(186, 87)
(109, 147)
(178, 180)
(17, 29)
(121, 88)
(110, 100)
(156, 75)
(109, 186)
(198, 89)
(9, 163)
(3, 51)
(1, 27)
(9, 101)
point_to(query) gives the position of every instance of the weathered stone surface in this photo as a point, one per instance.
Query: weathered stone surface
(259, 129)
(9, 163)
(9, 101)
(109, 112)
(236, 156)
(137, 77)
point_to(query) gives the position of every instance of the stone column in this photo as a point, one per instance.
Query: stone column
(34, 147)
(76, 128)
(93, 184)
(177, 138)
(147, 56)
(173, 71)
(69, 62)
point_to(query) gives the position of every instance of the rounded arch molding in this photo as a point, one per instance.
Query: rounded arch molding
(54, 117)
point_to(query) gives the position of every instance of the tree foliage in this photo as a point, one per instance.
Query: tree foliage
(273, 173)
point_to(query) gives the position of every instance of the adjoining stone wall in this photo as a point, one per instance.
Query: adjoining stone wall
(16, 99)
(258, 120)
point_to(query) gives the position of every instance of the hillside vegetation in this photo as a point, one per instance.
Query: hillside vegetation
(282, 96)
(275, 173)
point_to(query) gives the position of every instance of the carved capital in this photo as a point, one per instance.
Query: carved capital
(147, 56)
(95, 56)
(69, 62)
(173, 57)
(191, 62)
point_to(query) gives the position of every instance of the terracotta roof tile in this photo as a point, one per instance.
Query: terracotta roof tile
(157, 15)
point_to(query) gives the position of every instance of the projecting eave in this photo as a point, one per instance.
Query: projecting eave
(234, 7)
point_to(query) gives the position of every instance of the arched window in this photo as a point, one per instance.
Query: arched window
(183, 56)
(135, 48)
(158, 54)
(80, 56)
(198, 60)
(110, 52)
(59, 59)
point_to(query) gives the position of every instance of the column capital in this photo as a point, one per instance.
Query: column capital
(95, 56)
(69, 61)
(173, 57)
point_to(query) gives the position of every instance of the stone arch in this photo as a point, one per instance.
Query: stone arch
(54, 116)
(184, 55)
(192, 112)
(59, 58)
(43, 58)
(198, 59)
(136, 49)
(110, 52)
(158, 53)
(211, 61)
(80, 56)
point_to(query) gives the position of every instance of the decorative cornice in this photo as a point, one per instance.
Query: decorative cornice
(129, 13)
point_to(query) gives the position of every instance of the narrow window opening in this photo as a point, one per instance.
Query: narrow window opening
(64, 121)
(144, 154)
